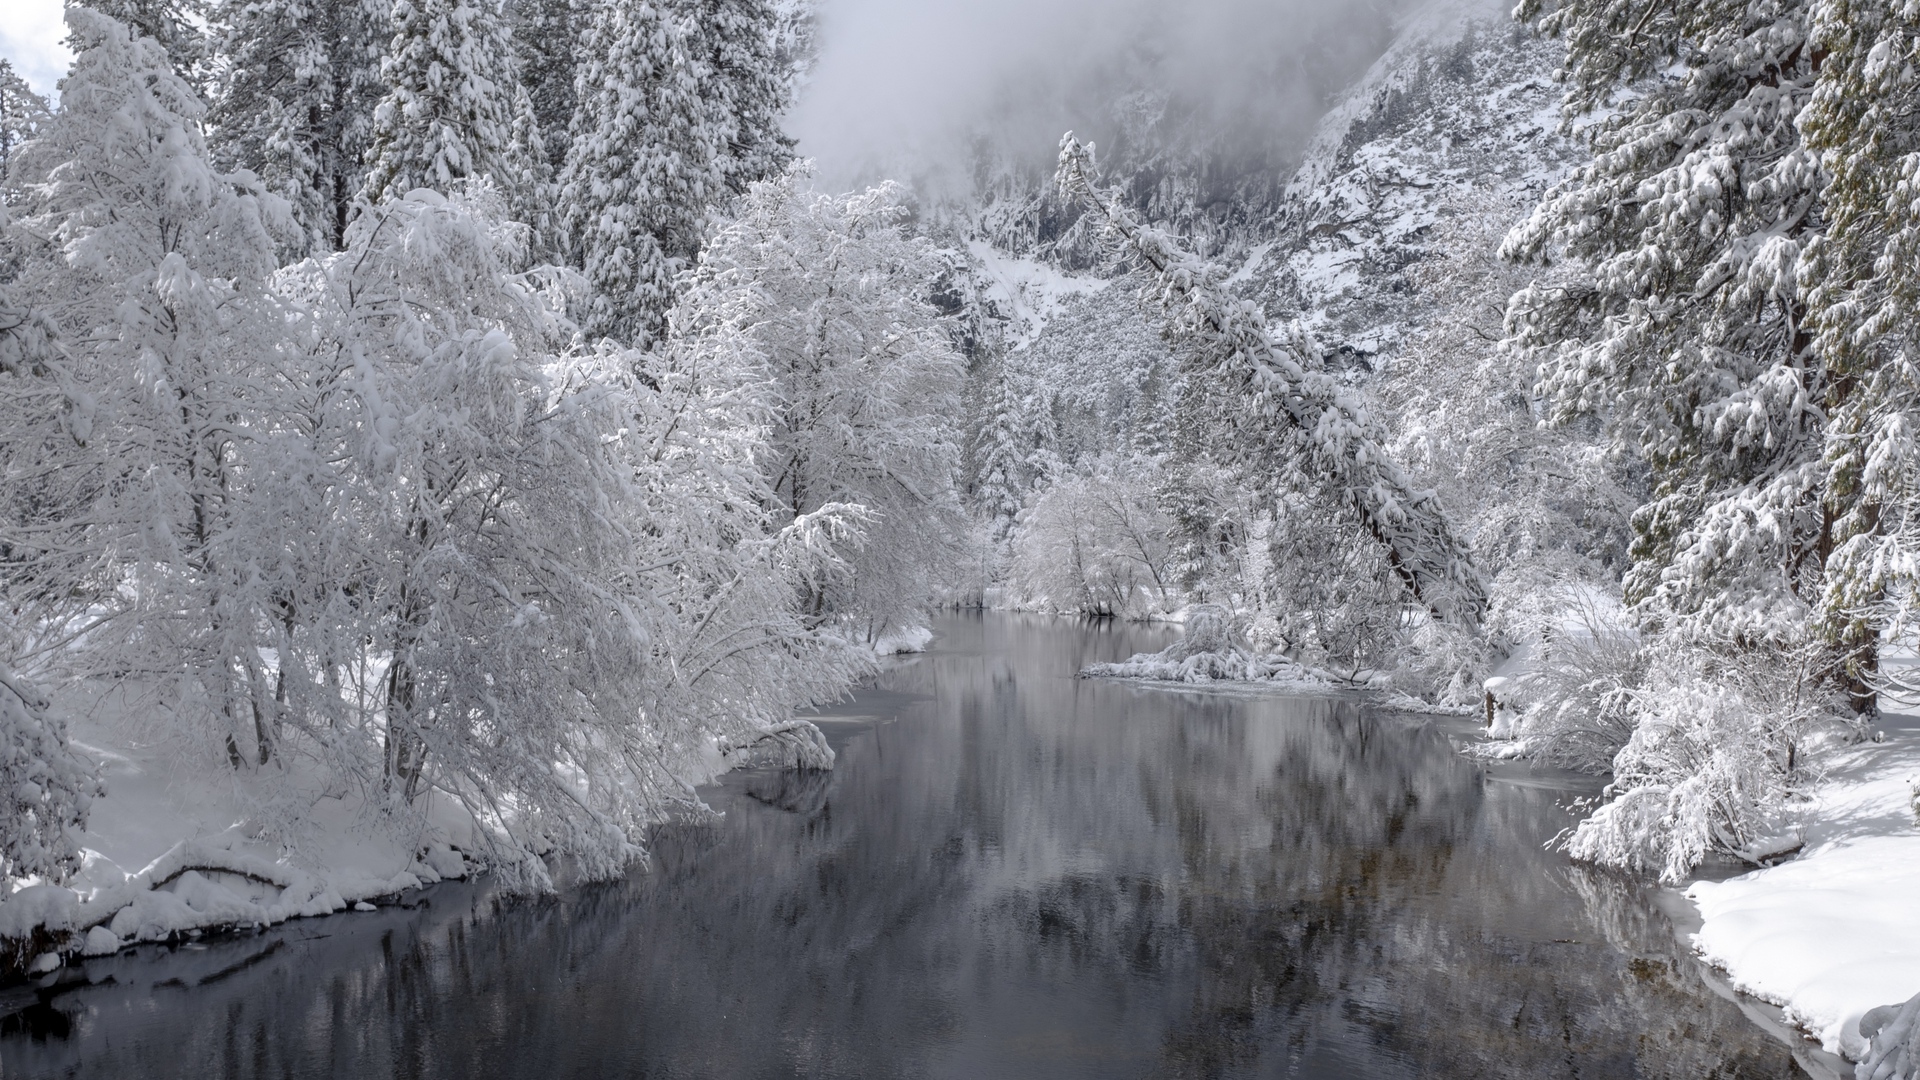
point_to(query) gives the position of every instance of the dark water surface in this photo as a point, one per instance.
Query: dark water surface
(1011, 874)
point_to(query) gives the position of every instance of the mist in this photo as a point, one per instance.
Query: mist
(917, 90)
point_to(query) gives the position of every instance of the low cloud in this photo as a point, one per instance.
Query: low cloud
(909, 86)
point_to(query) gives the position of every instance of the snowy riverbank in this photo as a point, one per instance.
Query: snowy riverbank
(172, 853)
(1832, 933)
(173, 850)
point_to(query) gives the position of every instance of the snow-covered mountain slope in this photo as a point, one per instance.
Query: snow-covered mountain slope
(1458, 120)
(1439, 147)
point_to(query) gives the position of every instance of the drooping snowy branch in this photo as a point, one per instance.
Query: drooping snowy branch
(1291, 417)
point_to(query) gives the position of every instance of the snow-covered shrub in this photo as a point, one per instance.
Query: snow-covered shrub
(1095, 542)
(1718, 755)
(45, 789)
(1578, 690)
(1437, 662)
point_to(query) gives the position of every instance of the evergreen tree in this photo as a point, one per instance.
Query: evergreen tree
(746, 86)
(999, 459)
(296, 103)
(1687, 330)
(642, 167)
(1864, 311)
(547, 40)
(450, 106)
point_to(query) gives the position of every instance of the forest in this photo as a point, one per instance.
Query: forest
(487, 419)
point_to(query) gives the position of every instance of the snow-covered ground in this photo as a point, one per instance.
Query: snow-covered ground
(169, 851)
(1834, 932)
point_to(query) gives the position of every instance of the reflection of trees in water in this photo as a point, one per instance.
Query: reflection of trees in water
(1025, 874)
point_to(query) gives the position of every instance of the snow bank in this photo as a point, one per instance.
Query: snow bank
(171, 852)
(911, 639)
(1895, 1031)
(1835, 933)
(197, 885)
(1213, 650)
(1827, 936)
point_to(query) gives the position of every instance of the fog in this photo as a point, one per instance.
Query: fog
(908, 87)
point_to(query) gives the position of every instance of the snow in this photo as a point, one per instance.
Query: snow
(1834, 933)
(36, 905)
(1030, 293)
(167, 853)
(902, 640)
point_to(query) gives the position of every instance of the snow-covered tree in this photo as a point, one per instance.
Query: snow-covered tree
(827, 297)
(547, 38)
(1275, 413)
(1541, 504)
(543, 589)
(299, 83)
(1863, 300)
(126, 449)
(48, 788)
(22, 114)
(643, 164)
(1685, 327)
(999, 459)
(178, 26)
(746, 85)
(1096, 542)
(453, 106)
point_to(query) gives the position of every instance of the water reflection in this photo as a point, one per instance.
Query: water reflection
(1012, 873)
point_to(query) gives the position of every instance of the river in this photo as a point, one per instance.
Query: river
(1012, 873)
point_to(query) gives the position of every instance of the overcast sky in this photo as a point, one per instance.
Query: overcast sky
(30, 37)
(900, 80)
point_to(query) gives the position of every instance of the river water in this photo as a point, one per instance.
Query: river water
(1012, 873)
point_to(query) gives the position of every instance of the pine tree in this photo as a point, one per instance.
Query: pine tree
(747, 87)
(547, 38)
(1690, 331)
(1864, 312)
(642, 167)
(296, 103)
(450, 106)
(1000, 461)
